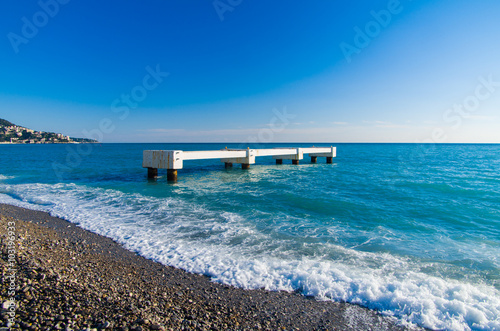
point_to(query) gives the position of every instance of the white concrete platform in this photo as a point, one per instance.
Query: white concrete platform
(174, 159)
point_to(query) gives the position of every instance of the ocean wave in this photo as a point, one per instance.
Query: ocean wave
(232, 250)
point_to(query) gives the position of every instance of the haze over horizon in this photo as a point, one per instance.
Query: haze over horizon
(238, 70)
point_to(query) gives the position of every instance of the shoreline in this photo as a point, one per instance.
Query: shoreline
(73, 278)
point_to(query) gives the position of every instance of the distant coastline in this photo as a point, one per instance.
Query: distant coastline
(47, 143)
(14, 134)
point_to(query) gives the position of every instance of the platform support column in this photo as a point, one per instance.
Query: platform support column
(228, 165)
(329, 159)
(296, 162)
(314, 159)
(279, 161)
(245, 166)
(172, 175)
(152, 172)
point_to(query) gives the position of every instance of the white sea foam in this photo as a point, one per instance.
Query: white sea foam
(3, 177)
(231, 250)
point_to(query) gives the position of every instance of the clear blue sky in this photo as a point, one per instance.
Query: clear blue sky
(419, 73)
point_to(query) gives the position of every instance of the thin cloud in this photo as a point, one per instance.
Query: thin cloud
(385, 124)
(481, 118)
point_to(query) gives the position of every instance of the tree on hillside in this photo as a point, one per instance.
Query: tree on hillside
(5, 123)
(26, 135)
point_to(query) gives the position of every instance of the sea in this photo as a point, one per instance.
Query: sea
(411, 230)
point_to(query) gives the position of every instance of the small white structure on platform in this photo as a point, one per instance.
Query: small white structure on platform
(174, 160)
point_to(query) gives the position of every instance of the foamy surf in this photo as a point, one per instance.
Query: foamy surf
(233, 250)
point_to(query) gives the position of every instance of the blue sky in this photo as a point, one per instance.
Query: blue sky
(241, 70)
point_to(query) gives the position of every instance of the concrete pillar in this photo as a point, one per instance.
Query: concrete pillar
(172, 175)
(314, 159)
(228, 164)
(152, 172)
(245, 166)
(329, 159)
(296, 162)
(279, 161)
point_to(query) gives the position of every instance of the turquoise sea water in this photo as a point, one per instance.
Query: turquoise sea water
(411, 230)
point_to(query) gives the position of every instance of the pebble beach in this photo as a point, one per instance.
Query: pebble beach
(68, 278)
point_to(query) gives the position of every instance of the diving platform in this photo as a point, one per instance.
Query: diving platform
(173, 160)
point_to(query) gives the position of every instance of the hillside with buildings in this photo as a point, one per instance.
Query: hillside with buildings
(15, 134)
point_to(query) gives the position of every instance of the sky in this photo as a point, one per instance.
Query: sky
(253, 70)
